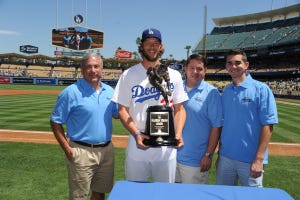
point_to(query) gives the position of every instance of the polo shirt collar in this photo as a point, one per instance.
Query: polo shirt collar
(199, 86)
(246, 83)
(87, 87)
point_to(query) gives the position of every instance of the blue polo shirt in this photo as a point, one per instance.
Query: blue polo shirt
(246, 108)
(87, 114)
(203, 111)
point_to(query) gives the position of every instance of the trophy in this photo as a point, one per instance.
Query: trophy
(160, 122)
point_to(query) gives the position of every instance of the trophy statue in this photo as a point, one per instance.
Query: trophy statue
(160, 123)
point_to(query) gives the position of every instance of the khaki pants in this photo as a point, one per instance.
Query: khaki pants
(193, 175)
(91, 168)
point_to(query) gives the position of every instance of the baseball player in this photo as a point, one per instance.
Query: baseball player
(135, 94)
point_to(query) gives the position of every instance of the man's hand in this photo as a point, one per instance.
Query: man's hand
(69, 153)
(139, 138)
(205, 163)
(257, 167)
(180, 141)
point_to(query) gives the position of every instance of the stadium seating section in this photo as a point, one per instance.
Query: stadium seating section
(47, 72)
(251, 36)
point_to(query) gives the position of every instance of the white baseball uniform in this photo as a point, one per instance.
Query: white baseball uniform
(135, 92)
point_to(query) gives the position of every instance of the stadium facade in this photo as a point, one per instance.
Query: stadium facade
(271, 40)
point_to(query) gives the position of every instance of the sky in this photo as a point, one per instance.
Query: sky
(181, 22)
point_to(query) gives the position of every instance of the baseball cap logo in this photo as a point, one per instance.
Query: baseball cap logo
(150, 32)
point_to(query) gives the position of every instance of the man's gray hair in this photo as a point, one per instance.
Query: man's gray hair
(90, 55)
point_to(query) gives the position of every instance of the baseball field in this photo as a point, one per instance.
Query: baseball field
(32, 164)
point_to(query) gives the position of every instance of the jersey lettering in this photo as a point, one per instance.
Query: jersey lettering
(141, 94)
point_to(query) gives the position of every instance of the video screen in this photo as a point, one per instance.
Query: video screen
(77, 38)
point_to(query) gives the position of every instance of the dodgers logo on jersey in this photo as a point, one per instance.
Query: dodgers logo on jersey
(141, 94)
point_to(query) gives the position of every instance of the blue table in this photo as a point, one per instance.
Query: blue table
(165, 191)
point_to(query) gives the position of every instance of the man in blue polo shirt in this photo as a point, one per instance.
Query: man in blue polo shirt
(249, 110)
(201, 131)
(86, 109)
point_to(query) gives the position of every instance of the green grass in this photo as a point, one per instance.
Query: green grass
(32, 112)
(288, 128)
(289, 100)
(26, 112)
(38, 171)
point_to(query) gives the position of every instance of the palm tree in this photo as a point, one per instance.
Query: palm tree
(187, 47)
(135, 55)
(138, 41)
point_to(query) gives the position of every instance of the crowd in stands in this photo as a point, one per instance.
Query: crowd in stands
(285, 87)
(111, 74)
(47, 72)
(12, 70)
(279, 87)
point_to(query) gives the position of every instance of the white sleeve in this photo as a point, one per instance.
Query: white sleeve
(122, 93)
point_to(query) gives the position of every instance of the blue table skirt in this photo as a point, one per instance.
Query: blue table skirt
(165, 191)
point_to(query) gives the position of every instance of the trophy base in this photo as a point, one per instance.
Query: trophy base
(160, 141)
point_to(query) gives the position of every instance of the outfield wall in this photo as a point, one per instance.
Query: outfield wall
(45, 81)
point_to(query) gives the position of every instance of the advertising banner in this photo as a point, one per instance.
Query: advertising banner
(45, 81)
(19, 80)
(29, 49)
(4, 80)
(70, 53)
(123, 54)
(66, 81)
(112, 83)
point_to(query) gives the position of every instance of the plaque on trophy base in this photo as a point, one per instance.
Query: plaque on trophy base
(160, 127)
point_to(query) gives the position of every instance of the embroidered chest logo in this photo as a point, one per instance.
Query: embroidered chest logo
(246, 100)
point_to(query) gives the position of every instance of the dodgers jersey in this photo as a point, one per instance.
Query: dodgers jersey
(138, 94)
(135, 92)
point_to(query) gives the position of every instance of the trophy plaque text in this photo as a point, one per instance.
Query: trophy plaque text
(160, 126)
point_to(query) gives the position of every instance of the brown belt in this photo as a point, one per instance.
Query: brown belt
(104, 144)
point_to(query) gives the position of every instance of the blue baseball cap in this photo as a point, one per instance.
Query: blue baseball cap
(151, 33)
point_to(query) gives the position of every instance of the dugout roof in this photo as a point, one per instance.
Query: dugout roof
(272, 15)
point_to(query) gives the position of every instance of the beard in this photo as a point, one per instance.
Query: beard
(149, 58)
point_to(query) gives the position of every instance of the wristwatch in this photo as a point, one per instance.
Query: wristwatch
(209, 155)
(137, 134)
